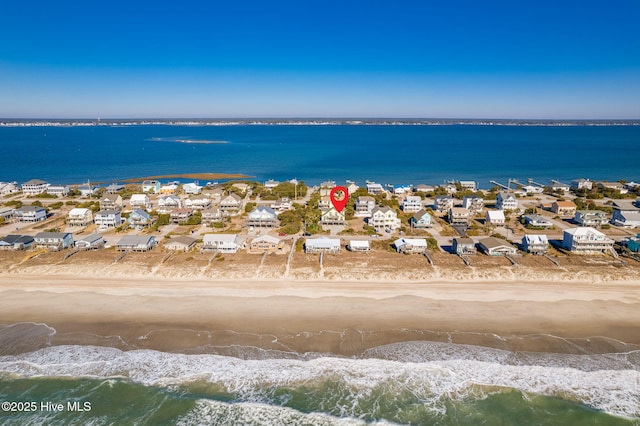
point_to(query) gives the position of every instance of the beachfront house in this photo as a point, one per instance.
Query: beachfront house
(364, 206)
(139, 243)
(402, 189)
(331, 216)
(265, 244)
(424, 188)
(626, 213)
(442, 203)
(79, 217)
(411, 245)
(581, 184)
(87, 190)
(536, 221)
(351, 187)
(7, 188)
(586, 241)
(34, 187)
(16, 242)
(191, 188)
(468, 185)
(90, 242)
(421, 220)
(593, 218)
(198, 202)
(374, 188)
(58, 190)
(111, 202)
(139, 217)
(140, 201)
(559, 186)
(6, 214)
(181, 243)
(231, 204)
(166, 203)
(107, 219)
(263, 217)
(464, 246)
(384, 218)
(532, 189)
(506, 201)
(412, 204)
(152, 186)
(210, 216)
(53, 241)
(322, 245)
(496, 246)
(114, 188)
(535, 244)
(359, 245)
(180, 216)
(616, 186)
(221, 243)
(30, 214)
(473, 204)
(270, 184)
(282, 204)
(564, 208)
(494, 217)
(458, 216)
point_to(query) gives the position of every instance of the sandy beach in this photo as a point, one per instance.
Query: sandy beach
(339, 317)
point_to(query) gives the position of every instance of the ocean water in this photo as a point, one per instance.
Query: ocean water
(417, 382)
(314, 153)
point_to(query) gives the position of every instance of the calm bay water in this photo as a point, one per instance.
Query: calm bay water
(386, 154)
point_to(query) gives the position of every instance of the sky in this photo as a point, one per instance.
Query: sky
(375, 59)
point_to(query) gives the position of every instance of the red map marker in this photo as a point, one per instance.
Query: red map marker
(339, 197)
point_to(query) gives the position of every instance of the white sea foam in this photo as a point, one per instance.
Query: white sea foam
(247, 413)
(432, 382)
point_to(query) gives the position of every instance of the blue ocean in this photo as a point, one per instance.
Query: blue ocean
(392, 154)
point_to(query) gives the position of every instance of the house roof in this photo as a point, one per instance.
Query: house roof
(229, 238)
(464, 241)
(30, 209)
(91, 238)
(263, 210)
(416, 242)
(583, 231)
(17, 239)
(564, 203)
(536, 218)
(359, 243)
(266, 239)
(419, 215)
(384, 209)
(535, 239)
(495, 214)
(52, 234)
(141, 213)
(183, 239)
(365, 199)
(629, 205)
(493, 242)
(78, 211)
(35, 182)
(459, 210)
(323, 242)
(111, 197)
(135, 240)
(107, 212)
(233, 196)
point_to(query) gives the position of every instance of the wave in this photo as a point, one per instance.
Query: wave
(347, 387)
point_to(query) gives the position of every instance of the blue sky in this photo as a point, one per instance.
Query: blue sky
(447, 59)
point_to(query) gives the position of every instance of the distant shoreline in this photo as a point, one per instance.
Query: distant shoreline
(5, 122)
(202, 176)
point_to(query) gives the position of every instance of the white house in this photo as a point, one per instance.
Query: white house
(494, 217)
(79, 217)
(473, 204)
(270, 184)
(90, 242)
(468, 185)
(582, 184)
(443, 203)
(34, 187)
(626, 213)
(383, 218)
(30, 214)
(58, 190)
(322, 245)
(537, 221)
(364, 206)
(374, 188)
(282, 204)
(506, 201)
(411, 245)
(532, 189)
(412, 204)
(559, 186)
(222, 243)
(593, 218)
(359, 245)
(140, 201)
(535, 244)
(191, 188)
(263, 216)
(107, 219)
(166, 203)
(586, 241)
(331, 216)
(9, 188)
(421, 220)
(87, 190)
(198, 202)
